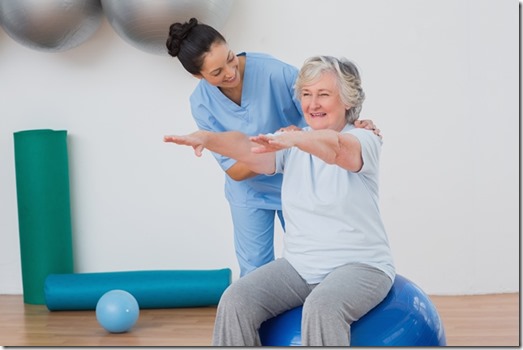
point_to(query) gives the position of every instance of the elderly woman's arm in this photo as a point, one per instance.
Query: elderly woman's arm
(232, 144)
(331, 146)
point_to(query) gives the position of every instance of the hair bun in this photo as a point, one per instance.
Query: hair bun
(178, 32)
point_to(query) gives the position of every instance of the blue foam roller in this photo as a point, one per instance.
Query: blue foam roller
(406, 317)
(152, 289)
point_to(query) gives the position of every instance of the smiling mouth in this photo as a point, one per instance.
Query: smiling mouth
(318, 115)
(231, 79)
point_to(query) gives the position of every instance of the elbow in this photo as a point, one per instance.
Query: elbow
(240, 172)
(348, 156)
(240, 177)
(352, 163)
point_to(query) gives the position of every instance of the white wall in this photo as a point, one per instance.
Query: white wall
(442, 83)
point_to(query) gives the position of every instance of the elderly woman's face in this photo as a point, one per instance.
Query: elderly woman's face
(321, 104)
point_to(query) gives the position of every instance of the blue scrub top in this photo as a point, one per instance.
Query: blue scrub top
(268, 104)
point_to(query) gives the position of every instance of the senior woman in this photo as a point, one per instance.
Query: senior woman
(336, 259)
(252, 93)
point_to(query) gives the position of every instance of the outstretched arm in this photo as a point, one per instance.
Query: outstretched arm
(332, 147)
(232, 144)
(239, 171)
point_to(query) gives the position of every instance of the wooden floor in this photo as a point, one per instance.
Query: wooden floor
(485, 320)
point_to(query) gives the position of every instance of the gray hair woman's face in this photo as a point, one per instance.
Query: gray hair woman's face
(322, 105)
(345, 74)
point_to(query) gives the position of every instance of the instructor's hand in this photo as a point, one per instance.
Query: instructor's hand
(369, 125)
(195, 140)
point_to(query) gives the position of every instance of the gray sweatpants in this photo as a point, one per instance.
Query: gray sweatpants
(329, 307)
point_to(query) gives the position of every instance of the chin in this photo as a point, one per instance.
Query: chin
(317, 124)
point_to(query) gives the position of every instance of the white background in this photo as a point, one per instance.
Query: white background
(442, 83)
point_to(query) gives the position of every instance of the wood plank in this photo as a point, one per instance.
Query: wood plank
(480, 320)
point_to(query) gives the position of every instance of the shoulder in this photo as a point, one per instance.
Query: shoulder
(365, 136)
(258, 56)
(201, 91)
(370, 149)
(264, 59)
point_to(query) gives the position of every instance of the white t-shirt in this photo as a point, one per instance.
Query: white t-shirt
(332, 215)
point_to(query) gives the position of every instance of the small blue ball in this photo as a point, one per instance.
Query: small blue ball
(117, 311)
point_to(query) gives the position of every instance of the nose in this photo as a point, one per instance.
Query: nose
(314, 102)
(229, 72)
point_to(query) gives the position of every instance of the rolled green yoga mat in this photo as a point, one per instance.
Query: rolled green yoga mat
(44, 216)
(152, 289)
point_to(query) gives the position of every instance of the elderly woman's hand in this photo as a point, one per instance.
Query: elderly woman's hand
(274, 142)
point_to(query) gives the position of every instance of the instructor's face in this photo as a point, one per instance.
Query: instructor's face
(221, 67)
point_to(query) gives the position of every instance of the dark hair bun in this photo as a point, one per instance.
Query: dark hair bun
(177, 34)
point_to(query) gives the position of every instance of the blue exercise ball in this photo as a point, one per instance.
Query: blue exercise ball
(406, 317)
(117, 311)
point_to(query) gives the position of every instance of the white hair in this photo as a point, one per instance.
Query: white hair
(347, 79)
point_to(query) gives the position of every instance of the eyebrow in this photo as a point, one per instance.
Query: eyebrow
(220, 68)
(320, 90)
